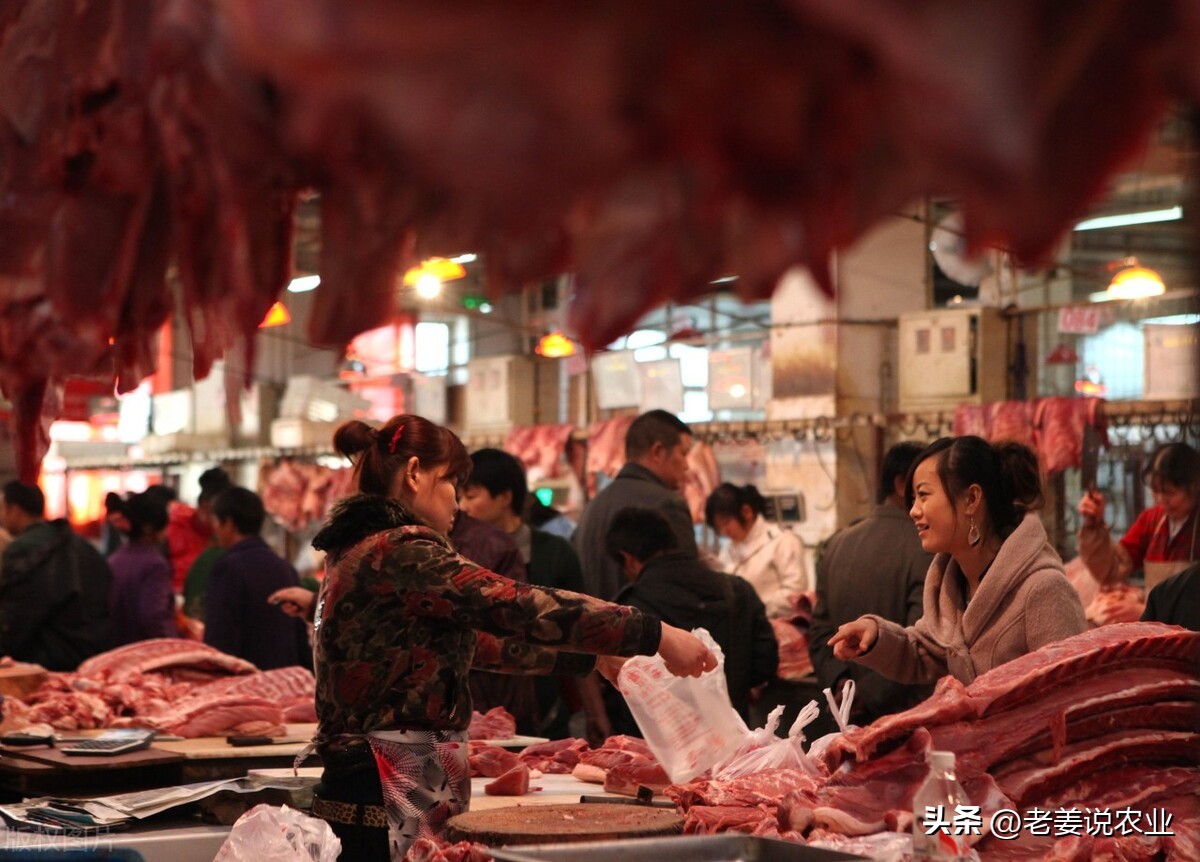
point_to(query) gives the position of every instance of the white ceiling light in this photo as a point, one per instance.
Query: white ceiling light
(428, 285)
(304, 283)
(1126, 219)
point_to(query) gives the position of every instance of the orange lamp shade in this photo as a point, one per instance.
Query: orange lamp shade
(443, 269)
(277, 315)
(555, 345)
(1136, 281)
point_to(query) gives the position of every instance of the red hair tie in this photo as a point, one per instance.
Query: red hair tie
(395, 439)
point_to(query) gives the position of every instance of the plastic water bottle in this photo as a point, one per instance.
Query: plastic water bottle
(935, 810)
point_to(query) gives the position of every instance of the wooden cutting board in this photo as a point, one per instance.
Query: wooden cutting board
(547, 824)
(216, 748)
(19, 679)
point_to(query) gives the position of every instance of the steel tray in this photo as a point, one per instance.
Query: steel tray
(693, 848)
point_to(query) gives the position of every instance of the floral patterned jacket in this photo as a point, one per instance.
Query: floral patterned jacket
(401, 618)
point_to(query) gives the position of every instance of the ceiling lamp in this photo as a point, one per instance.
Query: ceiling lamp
(440, 268)
(1134, 281)
(428, 285)
(304, 283)
(1129, 219)
(277, 315)
(555, 345)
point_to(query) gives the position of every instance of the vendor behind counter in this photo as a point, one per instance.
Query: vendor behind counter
(400, 620)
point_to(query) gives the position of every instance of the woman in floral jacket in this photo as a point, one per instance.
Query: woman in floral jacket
(401, 618)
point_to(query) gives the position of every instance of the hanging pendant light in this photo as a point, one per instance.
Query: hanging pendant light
(1134, 281)
(277, 315)
(555, 345)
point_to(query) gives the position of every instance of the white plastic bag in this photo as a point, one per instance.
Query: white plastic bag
(841, 714)
(273, 833)
(762, 749)
(688, 722)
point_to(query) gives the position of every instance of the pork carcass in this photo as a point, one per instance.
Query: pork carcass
(550, 139)
(166, 656)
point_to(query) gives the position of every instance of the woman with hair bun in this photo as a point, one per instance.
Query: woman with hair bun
(400, 620)
(995, 590)
(769, 557)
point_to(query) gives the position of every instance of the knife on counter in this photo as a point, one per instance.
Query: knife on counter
(249, 741)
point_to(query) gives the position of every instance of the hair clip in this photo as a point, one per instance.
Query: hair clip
(395, 439)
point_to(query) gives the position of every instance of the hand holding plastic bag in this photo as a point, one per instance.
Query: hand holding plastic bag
(688, 722)
(270, 833)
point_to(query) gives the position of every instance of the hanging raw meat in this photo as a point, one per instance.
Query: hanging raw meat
(549, 137)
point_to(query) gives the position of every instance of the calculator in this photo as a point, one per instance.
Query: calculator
(110, 742)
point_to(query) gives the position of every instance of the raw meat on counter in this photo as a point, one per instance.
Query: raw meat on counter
(496, 723)
(490, 761)
(182, 660)
(1108, 719)
(116, 691)
(624, 765)
(437, 850)
(1119, 603)
(514, 782)
(557, 757)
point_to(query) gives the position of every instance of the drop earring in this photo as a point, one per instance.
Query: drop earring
(973, 536)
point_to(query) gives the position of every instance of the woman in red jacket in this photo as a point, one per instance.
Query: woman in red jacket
(1165, 539)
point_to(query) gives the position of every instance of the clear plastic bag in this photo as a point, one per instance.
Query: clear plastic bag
(688, 722)
(762, 749)
(274, 833)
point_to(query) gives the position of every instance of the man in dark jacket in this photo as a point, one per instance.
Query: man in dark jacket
(1176, 600)
(238, 619)
(54, 587)
(656, 451)
(874, 566)
(680, 590)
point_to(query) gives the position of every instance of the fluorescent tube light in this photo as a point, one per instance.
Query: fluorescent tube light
(1126, 219)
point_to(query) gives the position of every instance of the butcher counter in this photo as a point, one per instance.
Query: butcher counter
(167, 838)
(41, 771)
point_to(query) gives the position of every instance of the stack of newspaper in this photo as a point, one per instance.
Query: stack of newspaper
(111, 813)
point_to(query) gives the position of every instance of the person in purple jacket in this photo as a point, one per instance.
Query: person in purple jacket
(238, 618)
(142, 600)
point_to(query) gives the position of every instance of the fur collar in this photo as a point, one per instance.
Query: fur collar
(355, 518)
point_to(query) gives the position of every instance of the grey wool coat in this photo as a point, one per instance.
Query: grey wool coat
(1024, 602)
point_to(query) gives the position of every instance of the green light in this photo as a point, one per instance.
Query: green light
(474, 302)
(545, 496)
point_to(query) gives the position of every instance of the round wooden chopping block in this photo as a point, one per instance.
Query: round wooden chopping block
(547, 824)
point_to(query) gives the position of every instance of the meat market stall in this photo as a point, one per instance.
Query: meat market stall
(1103, 722)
